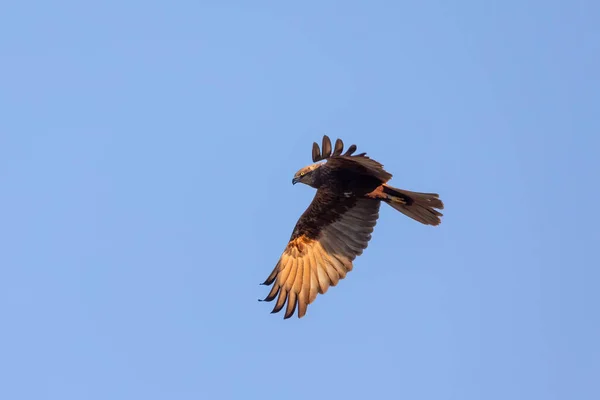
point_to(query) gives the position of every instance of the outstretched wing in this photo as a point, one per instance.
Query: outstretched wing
(330, 234)
(348, 159)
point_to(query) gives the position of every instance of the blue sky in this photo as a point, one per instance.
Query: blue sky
(146, 157)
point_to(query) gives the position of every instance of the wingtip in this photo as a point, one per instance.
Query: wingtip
(326, 147)
(338, 147)
(316, 152)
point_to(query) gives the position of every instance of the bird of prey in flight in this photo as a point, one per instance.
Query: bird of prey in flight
(337, 225)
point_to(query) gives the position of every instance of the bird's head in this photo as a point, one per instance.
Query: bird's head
(308, 175)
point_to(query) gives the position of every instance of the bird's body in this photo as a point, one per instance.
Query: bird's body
(337, 225)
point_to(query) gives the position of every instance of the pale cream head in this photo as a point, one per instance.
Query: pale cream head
(306, 175)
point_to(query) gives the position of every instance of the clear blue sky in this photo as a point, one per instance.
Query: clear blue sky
(146, 157)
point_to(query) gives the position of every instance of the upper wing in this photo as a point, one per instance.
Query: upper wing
(327, 238)
(359, 164)
(348, 160)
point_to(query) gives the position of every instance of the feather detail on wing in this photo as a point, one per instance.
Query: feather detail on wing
(348, 159)
(311, 264)
(370, 166)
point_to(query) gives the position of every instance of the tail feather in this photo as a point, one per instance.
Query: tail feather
(419, 206)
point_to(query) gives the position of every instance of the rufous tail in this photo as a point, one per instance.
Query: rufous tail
(418, 206)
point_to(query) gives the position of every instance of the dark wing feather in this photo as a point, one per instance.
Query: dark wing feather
(339, 147)
(316, 153)
(331, 233)
(351, 150)
(326, 150)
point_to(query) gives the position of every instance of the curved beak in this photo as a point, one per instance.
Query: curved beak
(295, 180)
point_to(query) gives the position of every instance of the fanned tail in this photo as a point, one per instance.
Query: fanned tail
(419, 206)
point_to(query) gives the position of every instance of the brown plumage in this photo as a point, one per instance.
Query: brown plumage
(337, 225)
